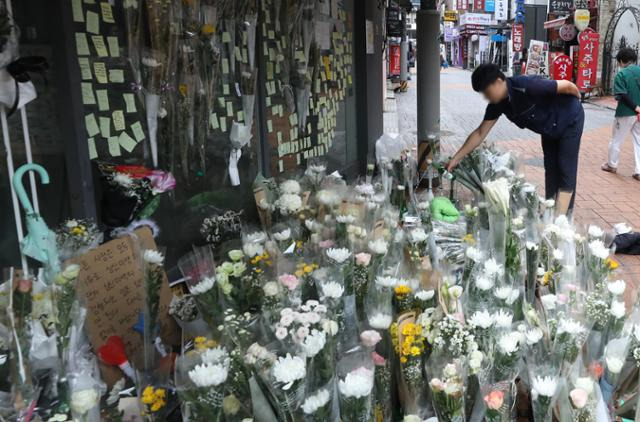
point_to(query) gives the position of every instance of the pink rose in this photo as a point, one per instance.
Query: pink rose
(562, 298)
(370, 338)
(363, 259)
(571, 288)
(377, 359)
(494, 399)
(24, 285)
(436, 384)
(161, 181)
(579, 397)
(290, 281)
(326, 244)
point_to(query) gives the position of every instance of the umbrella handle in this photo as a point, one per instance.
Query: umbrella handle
(19, 188)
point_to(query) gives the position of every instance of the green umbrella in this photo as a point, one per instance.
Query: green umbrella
(40, 242)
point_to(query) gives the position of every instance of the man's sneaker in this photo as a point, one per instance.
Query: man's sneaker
(637, 177)
(606, 167)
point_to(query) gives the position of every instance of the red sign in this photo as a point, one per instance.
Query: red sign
(462, 4)
(587, 59)
(394, 60)
(478, 5)
(562, 68)
(517, 37)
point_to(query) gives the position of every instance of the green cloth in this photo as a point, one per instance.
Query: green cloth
(627, 82)
(443, 210)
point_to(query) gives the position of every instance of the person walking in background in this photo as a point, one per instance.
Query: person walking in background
(626, 89)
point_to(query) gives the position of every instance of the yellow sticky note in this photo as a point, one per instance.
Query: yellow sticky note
(127, 142)
(98, 43)
(93, 22)
(114, 146)
(85, 68)
(225, 66)
(103, 99)
(271, 34)
(93, 153)
(116, 76)
(76, 8)
(138, 132)
(82, 46)
(118, 120)
(100, 70)
(105, 127)
(114, 46)
(213, 121)
(130, 102)
(229, 109)
(91, 124)
(87, 93)
(107, 13)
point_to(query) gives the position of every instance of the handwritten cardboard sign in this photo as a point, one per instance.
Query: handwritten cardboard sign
(110, 284)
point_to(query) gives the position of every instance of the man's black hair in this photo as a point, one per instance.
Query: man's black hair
(485, 75)
(627, 55)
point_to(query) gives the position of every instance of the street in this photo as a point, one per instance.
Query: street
(603, 199)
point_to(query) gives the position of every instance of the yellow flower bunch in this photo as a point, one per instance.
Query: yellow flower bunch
(154, 398)
(413, 343)
(402, 290)
(393, 330)
(612, 264)
(202, 343)
(546, 278)
(303, 268)
(207, 29)
(468, 239)
(78, 230)
(265, 258)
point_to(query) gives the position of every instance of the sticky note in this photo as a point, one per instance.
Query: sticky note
(127, 142)
(271, 34)
(269, 126)
(82, 46)
(213, 121)
(130, 102)
(237, 53)
(229, 109)
(103, 99)
(268, 101)
(280, 166)
(116, 76)
(87, 93)
(225, 66)
(105, 127)
(98, 43)
(91, 124)
(225, 89)
(241, 116)
(92, 149)
(114, 46)
(223, 124)
(118, 120)
(93, 22)
(138, 132)
(107, 13)
(100, 70)
(85, 68)
(226, 37)
(76, 8)
(114, 146)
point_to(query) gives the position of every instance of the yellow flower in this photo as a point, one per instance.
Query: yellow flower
(402, 290)
(211, 344)
(183, 89)
(415, 351)
(157, 405)
(299, 273)
(409, 339)
(38, 296)
(160, 393)
(307, 269)
(207, 29)
(147, 395)
(403, 360)
(299, 244)
(77, 231)
(611, 263)
(469, 239)
(258, 270)
(408, 329)
(546, 278)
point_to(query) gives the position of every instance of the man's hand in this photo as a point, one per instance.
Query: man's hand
(453, 163)
(568, 88)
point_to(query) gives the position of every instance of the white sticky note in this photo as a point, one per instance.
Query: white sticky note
(269, 126)
(229, 109)
(98, 43)
(91, 124)
(118, 120)
(93, 153)
(223, 124)
(225, 89)
(82, 45)
(226, 37)
(130, 102)
(225, 66)
(280, 166)
(138, 132)
(100, 70)
(114, 146)
(93, 22)
(114, 46)
(105, 127)
(107, 13)
(76, 8)
(85, 68)
(116, 76)
(87, 93)
(240, 115)
(213, 121)
(127, 142)
(103, 99)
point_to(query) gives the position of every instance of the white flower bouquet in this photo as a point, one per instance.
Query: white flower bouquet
(447, 383)
(355, 386)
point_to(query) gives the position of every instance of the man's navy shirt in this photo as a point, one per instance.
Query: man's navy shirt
(534, 103)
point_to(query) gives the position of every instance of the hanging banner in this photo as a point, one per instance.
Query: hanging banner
(562, 68)
(501, 10)
(490, 6)
(587, 59)
(560, 7)
(581, 19)
(517, 37)
(394, 60)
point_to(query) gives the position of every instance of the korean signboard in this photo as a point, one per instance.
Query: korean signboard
(478, 5)
(560, 7)
(476, 19)
(519, 12)
(581, 18)
(501, 10)
(517, 37)
(450, 15)
(587, 59)
(448, 34)
(462, 4)
(490, 6)
(562, 68)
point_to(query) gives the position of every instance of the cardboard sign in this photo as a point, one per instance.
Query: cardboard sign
(110, 286)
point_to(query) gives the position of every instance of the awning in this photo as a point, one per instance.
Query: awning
(556, 23)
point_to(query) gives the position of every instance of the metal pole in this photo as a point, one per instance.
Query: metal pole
(404, 62)
(428, 84)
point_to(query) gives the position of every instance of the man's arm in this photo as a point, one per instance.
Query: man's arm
(473, 141)
(568, 88)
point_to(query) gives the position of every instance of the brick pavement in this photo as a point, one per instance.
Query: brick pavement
(602, 198)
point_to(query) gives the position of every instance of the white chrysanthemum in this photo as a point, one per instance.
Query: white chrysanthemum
(378, 246)
(256, 237)
(474, 254)
(558, 255)
(544, 386)
(492, 268)
(508, 343)
(515, 294)
(315, 402)
(82, 401)
(332, 290)
(327, 197)
(571, 326)
(204, 286)
(502, 293)
(357, 383)
(215, 355)
(345, 219)
(598, 249)
(497, 194)
(614, 364)
(455, 291)
(380, 321)
(288, 370)
(253, 249)
(424, 294)
(517, 222)
(338, 255)
(314, 169)
(585, 383)
(533, 336)
(549, 203)
(532, 246)
(595, 231)
(484, 283)
(314, 343)
(271, 288)
(549, 301)
(617, 287)
(153, 257)
(618, 309)
(282, 235)
(386, 281)
(365, 189)
(289, 203)
(503, 319)
(417, 235)
(481, 319)
(208, 375)
(290, 186)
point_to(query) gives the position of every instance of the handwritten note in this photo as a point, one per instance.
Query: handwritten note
(114, 146)
(138, 133)
(76, 8)
(85, 68)
(114, 46)
(93, 153)
(100, 70)
(116, 76)
(103, 99)
(82, 46)
(93, 22)
(98, 44)
(91, 124)
(107, 13)
(87, 93)
(213, 121)
(105, 127)
(127, 142)
(130, 102)
(118, 120)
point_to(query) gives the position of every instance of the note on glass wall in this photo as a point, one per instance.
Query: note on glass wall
(98, 43)
(118, 120)
(85, 68)
(93, 153)
(93, 22)
(116, 76)
(105, 127)
(130, 102)
(91, 125)
(76, 8)
(100, 70)
(82, 45)
(87, 93)
(127, 142)
(138, 133)
(107, 12)
(103, 99)
(114, 46)
(114, 146)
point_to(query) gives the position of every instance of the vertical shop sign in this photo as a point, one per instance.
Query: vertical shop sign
(587, 59)
(501, 10)
(517, 37)
(478, 5)
(490, 6)
(519, 16)
(462, 4)
(394, 60)
(562, 68)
